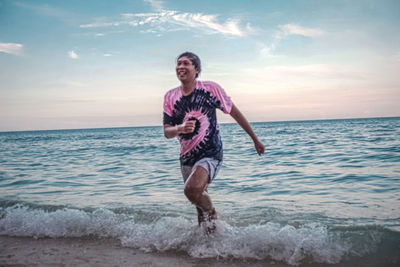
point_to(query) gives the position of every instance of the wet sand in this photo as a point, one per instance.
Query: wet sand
(27, 251)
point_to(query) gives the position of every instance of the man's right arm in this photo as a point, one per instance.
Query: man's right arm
(184, 128)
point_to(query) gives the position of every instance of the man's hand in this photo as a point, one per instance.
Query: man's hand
(187, 127)
(259, 147)
(184, 128)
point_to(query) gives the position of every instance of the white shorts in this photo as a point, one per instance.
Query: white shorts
(211, 165)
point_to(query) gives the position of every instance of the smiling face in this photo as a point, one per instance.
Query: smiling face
(185, 70)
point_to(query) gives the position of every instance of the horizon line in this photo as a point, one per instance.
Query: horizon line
(144, 126)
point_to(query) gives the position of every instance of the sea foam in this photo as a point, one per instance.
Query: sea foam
(293, 245)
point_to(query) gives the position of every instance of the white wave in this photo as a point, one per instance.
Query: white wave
(22, 221)
(270, 240)
(266, 241)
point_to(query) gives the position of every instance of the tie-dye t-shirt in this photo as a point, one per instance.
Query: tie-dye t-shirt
(201, 106)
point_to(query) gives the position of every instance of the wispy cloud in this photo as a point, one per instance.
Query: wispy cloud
(48, 11)
(315, 71)
(293, 29)
(164, 20)
(11, 48)
(156, 4)
(103, 24)
(73, 55)
(284, 32)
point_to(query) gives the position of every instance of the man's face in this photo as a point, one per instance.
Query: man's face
(185, 70)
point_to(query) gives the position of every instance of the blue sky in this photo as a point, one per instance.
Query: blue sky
(84, 64)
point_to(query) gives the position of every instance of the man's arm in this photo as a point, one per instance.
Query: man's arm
(242, 121)
(184, 128)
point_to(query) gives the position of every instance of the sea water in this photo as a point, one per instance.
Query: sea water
(325, 191)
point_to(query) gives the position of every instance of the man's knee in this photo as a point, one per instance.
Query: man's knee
(193, 192)
(196, 184)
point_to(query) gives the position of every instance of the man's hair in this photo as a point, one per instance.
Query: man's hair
(194, 59)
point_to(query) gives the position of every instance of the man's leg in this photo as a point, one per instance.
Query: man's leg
(196, 192)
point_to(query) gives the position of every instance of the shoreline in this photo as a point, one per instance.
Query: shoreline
(28, 251)
(89, 251)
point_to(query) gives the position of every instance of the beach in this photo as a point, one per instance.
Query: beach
(27, 251)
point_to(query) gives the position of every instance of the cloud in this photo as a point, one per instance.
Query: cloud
(267, 50)
(73, 55)
(163, 20)
(101, 24)
(293, 29)
(315, 71)
(318, 76)
(48, 11)
(207, 22)
(11, 48)
(155, 4)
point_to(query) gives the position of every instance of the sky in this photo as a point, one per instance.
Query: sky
(96, 63)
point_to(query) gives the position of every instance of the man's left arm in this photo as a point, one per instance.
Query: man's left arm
(242, 121)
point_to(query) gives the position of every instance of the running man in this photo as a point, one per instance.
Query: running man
(190, 115)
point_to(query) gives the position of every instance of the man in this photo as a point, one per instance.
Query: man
(190, 115)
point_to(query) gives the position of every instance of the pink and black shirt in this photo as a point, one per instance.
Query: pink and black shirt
(201, 106)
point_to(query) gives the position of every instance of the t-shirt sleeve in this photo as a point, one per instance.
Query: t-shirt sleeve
(225, 102)
(167, 114)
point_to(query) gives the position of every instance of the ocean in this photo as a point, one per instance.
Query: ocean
(324, 192)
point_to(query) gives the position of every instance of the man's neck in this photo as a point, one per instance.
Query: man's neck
(187, 88)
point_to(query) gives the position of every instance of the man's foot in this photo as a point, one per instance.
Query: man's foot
(208, 220)
(212, 215)
(209, 216)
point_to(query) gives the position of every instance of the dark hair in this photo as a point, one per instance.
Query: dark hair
(194, 59)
